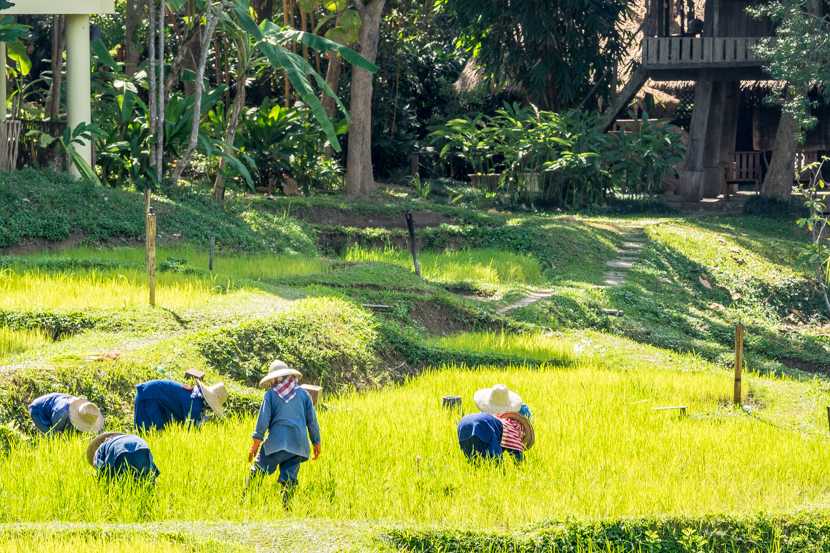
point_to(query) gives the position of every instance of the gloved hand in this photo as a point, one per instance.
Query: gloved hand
(254, 450)
(318, 448)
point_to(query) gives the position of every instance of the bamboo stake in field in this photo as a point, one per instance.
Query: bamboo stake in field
(151, 255)
(148, 193)
(212, 244)
(739, 361)
(411, 224)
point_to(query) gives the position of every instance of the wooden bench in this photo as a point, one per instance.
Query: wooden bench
(744, 167)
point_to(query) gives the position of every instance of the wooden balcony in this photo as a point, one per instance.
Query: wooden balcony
(674, 53)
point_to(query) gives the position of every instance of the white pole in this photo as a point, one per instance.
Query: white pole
(3, 94)
(78, 88)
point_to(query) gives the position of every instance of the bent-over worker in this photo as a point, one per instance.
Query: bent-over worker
(499, 427)
(159, 403)
(117, 454)
(57, 412)
(288, 418)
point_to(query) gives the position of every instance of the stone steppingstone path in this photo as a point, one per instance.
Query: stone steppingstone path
(626, 257)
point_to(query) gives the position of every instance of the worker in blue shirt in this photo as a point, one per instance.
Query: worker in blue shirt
(118, 454)
(288, 418)
(56, 412)
(161, 402)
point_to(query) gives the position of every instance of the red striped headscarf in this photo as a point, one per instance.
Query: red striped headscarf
(286, 387)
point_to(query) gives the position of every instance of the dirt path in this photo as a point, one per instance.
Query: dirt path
(529, 299)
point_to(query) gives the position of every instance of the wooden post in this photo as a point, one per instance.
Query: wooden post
(412, 243)
(148, 193)
(151, 255)
(212, 244)
(828, 414)
(739, 362)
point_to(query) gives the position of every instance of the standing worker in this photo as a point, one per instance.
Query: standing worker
(57, 412)
(118, 454)
(287, 415)
(159, 403)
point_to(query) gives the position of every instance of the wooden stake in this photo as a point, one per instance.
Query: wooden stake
(148, 193)
(151, 255)
(212, 244)
(411, 224)
(739, 362)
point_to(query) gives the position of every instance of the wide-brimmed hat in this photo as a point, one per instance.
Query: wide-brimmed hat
(278, 369)
(96, 442)
(497, 399)
(214, 395)
(530, 436)
(85, 416)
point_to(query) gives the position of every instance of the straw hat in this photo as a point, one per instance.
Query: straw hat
(278, 369)
(85, 416)
(96, 442)
(497, 399)
(530, 436)
(215, 396)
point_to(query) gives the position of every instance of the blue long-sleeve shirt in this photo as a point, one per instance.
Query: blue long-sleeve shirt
(50, 413)
(486, 428)
(161, 402)
(126, 453)
(289, 425)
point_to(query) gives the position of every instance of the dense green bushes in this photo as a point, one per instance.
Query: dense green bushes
(792, 533)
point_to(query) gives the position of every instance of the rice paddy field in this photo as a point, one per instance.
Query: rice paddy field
(602, 451)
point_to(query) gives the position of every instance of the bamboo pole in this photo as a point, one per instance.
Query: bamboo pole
(151, 255)
(148, 193)
(739, 362)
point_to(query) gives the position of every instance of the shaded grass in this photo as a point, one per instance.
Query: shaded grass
(486, 265)
(602, 451)
(74, 544)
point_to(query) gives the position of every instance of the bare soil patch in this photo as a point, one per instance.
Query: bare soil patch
(336, 217)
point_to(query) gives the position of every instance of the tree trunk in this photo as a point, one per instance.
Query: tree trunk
(781, 174)
(233, 124)
(151, 78)
(211, 21)
(131, 53)
(333, 72)
(193, 48)
(359, 176)
(58, 46)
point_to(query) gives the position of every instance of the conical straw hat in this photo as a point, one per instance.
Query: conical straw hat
(497, 399)
(278, 369)
(85, 416)
(214, 395)
(96, 442)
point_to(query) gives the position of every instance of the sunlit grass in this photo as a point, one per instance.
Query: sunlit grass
(13, 342)
(392, 455)
(538, 347)
(74, 544)
(107, 289)
(259, 266)
(481, 265)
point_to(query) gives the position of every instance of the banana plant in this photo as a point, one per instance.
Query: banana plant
(83, 133)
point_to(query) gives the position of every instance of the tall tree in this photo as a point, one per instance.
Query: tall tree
(53, 107)
(799, 56)
(551, 49)
(133, 16)
(360, 179)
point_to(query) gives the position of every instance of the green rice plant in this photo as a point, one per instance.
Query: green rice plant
(391, 455)
(81, 543)
(481, 265)
(111, 288)
(257, 266)
(13, 342)
(536, 347)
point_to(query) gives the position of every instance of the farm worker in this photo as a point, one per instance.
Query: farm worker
(161, 402)
(490, 436)
(56, 412)
(115, 454)
(287, 415)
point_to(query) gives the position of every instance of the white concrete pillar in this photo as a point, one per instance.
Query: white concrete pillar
(78, 87)
(3, 93)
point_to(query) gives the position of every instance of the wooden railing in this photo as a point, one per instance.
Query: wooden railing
(689, 50)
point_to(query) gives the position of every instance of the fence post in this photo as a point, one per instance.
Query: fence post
(148, 193)
(212, 244)
(739, 361)
(412, 242)
(151, 254)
